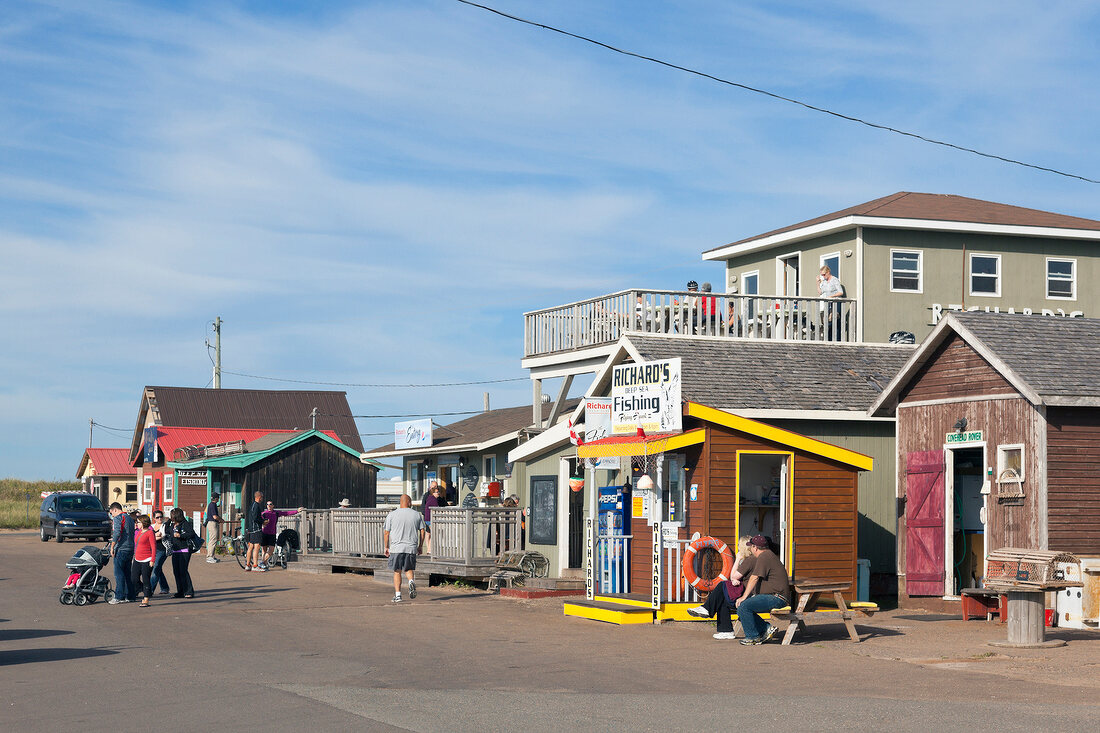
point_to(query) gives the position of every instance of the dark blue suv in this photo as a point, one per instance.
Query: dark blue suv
(73, 514)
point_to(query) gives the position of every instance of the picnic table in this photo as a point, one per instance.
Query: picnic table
(809, 592)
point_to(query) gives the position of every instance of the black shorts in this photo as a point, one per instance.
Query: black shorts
(267, 540)
(254, 537)
(402, 561)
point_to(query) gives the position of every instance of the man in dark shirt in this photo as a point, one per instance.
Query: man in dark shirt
(122, 549)
(254, 522)
(768, 578)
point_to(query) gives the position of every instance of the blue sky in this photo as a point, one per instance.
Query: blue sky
(375, 192)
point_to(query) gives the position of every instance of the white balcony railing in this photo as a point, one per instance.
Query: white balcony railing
(603, 320)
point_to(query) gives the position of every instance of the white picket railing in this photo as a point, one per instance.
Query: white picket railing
(675, 589)
(612, 563)
(602, 320)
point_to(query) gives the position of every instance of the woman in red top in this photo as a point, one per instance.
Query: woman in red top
(145, 551)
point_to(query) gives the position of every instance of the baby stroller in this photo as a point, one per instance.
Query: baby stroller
(91, 584)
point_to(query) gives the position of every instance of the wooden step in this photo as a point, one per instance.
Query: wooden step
(612, 613)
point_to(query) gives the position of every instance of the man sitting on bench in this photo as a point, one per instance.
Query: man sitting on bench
(768, 578)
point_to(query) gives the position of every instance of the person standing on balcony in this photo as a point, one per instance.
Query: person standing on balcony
(708, 312)
(402, 536)
(830, 287)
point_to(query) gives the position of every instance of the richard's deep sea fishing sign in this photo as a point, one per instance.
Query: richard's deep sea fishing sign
(646, 394)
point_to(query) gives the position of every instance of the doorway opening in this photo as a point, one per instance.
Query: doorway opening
(576, 517)
(787, 272)
(763, 498)
(966, 540)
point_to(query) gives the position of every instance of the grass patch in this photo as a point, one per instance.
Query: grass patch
(16, 511)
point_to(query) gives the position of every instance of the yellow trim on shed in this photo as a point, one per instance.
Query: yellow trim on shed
(781, 436)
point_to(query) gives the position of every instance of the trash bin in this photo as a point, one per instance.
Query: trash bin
(863, 580)
(1079, 606)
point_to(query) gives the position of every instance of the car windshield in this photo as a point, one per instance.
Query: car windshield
(79, 504)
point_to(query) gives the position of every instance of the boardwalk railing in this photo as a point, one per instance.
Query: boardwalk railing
(459, 535)
(602, 320)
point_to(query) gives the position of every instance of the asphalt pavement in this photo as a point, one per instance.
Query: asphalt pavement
(288, 651)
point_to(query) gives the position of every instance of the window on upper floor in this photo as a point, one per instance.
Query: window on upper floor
(985, 274)
(1061, 279)
(906, 271)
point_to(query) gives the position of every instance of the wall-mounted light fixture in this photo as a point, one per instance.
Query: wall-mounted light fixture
(461, 461)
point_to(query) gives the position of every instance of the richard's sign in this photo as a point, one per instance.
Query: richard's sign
(412, 434)
(646, 395)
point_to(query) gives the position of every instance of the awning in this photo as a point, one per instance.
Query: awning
(630, 445)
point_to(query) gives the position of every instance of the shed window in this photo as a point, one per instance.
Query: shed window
(490, 468)
(131, 493)
(1010, 464)
(985, 274)
(169, 488)
(416, 480)
(1062, 279)
(147, 490)
(906, 274)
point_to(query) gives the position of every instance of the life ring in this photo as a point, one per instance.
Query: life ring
(688, 564)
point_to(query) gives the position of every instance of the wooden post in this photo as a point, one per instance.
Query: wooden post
(469, 554)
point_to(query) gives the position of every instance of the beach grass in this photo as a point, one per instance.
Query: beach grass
(16, 511)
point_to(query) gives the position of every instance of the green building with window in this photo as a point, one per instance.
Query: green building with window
(906, 259)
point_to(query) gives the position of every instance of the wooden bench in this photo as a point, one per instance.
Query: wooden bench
(983, 603)
(809, 594)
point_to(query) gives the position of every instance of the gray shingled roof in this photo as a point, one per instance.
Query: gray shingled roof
(483, 427)
(1059, 358)
(748, 374)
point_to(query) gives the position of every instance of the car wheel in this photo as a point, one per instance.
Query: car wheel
(42, 530)
(57, 535)
(80, 599)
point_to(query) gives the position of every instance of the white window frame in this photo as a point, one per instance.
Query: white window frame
(750, 273)
(996, 276)
(489, 463)
(147, 490)
(1001, 451)
(1072, 278)
(169, 489)
(920, 270)
(828, 256)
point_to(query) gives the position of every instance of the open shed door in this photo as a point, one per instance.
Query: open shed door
(924, 529)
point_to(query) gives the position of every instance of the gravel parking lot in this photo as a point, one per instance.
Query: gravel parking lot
(291, 651)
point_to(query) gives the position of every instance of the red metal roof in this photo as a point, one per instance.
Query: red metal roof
(171, 438)
(111, 461)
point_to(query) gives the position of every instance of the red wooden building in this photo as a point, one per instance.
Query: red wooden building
(998, 425)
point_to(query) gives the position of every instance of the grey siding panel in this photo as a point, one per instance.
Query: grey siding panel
(877, 493)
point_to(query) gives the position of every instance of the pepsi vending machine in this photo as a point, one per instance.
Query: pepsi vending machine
(613, 549)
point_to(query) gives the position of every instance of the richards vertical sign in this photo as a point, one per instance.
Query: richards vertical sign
(646, 395)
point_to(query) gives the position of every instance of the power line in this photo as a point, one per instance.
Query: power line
(418, 414)
(773, 95)
(355, 384)
(125, 431)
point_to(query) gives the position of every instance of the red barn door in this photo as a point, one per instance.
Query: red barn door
(924, 538)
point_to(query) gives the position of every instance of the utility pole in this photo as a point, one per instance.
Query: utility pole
(217, 352)
(90, 423)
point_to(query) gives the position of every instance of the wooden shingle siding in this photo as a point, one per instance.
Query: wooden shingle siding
(955, 370)
(1073, 489)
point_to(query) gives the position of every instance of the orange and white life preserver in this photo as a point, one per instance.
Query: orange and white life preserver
(688, 564)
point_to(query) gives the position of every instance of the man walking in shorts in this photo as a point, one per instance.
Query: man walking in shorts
(402, 535)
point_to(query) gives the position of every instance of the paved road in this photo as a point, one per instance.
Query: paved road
(297, 652)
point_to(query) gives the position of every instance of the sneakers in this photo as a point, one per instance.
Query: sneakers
(396, 598)
(263, 566)
(116, 601)
(211, 560)
(753, 642)
(698, 612)
(412, 589)
(259, 569)
(727, 635)
(769, 633)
